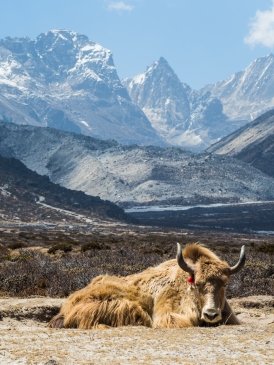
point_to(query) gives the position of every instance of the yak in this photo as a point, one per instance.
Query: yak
(186, 292)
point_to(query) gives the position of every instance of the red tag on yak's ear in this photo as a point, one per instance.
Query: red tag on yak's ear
(190, 280)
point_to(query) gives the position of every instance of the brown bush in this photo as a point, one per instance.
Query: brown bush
(65, 247)
(15, 245)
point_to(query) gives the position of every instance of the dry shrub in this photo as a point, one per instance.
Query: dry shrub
(257, 276)
(15, 245)
(266, 248)
(35, 273)
(63, 246)
(94, 245)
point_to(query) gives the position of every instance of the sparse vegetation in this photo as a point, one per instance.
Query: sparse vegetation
(57, 269)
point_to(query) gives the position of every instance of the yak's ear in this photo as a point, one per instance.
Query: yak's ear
(181, 262)
(57, 321)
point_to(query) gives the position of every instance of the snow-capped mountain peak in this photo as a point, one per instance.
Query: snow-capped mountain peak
(248, 93)
(160, 70)
(64, 80)
(179, 114)
(160, 66)
(161, 95)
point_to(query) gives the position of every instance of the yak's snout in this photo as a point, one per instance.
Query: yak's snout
(211, 312)
(211, 315)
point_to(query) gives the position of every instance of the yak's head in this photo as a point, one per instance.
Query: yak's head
(209, 276)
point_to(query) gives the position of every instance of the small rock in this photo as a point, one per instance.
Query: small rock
(51, 362)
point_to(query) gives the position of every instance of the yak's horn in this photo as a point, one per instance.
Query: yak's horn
(181, 262)
(240, 263)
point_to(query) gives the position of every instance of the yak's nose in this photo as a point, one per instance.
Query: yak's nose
(211, 314)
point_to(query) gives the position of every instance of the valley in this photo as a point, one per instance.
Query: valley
(103, 175)
(252, 217)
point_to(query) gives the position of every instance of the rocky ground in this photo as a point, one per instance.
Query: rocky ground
(25, 338)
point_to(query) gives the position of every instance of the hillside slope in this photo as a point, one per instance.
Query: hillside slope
(27, 196)
(132, 175)
(253, 144)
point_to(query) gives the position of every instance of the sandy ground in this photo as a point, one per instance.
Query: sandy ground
(25, 339)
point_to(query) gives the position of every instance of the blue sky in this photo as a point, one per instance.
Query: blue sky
(203, 40)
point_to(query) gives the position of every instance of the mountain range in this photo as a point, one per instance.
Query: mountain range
(133, 175)
(63, 80)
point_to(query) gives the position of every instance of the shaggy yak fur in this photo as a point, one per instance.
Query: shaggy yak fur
(175, 294)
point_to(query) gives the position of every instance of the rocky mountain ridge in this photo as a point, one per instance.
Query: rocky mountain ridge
(63, 80)
(133, 175)
(247, 94)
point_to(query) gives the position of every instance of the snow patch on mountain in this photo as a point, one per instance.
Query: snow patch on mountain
(4, 192)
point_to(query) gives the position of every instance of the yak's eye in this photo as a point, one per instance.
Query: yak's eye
(199, 285)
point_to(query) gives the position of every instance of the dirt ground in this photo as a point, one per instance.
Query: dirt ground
(25, 339)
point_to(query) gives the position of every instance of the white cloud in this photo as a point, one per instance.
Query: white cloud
(120, 6)
(262, 28)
